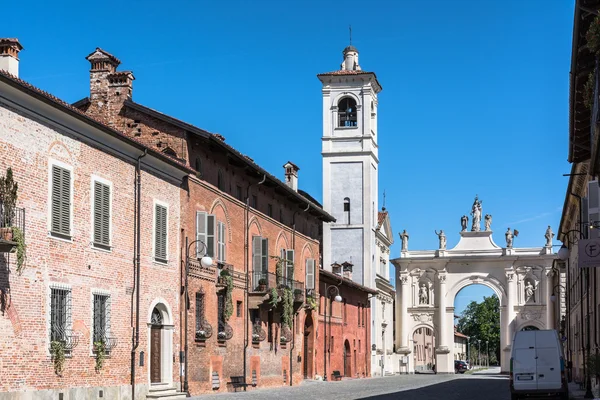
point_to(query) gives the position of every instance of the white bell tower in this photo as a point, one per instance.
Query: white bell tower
(350, 167)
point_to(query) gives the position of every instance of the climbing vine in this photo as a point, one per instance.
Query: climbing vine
(273, 299)
(288, 307)
(100, 350)
(57, 351)
(281, 262)
(228, 290)
(20, 239)
(311, 303)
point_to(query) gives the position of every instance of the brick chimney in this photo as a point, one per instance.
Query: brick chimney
(9, 55)
(291, 175)
(347, 269)
(109, 88)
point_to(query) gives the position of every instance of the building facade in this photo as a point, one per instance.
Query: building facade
(350, 181)
(342, 348)
(248, 312)
(89, 262)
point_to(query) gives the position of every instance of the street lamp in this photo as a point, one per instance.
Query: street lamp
(330, 290)
(206, 261)
(564, 254)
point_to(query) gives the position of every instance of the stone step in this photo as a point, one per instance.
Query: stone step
(165, 393)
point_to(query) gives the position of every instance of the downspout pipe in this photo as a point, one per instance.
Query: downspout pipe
(296, 314)
(135, 334)
(247, 267)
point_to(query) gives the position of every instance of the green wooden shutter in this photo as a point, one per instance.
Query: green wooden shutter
(101, 214)
(61, 201)
(160, 244)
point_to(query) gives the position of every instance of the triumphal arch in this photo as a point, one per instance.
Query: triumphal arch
(427, 282)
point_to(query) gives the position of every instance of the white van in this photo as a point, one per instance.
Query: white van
(537, 367)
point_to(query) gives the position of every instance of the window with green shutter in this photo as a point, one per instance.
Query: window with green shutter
(61, 202)
(160, 233)
(101, 215)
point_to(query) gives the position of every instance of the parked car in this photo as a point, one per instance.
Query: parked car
(460, 367)
(537, 367)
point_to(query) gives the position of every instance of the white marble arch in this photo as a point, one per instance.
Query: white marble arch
(476, 259)
(166, 337)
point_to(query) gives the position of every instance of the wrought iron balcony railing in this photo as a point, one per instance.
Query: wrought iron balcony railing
(258, 333)
(225, 331)
(204, 331)
(263, 281)
(9, 219)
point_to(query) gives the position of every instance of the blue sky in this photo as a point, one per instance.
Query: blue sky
(474, 97)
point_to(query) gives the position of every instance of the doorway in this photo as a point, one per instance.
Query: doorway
(308, 350)
(347, 359)
(160, 343)
(155, 352)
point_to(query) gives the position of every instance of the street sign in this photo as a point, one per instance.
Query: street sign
(589, 253)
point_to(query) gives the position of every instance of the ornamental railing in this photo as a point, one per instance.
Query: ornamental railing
(204, 330)
(225, 331)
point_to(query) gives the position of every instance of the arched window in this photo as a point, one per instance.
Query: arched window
(347, 209)
(220, 180)
(347, 112)
(198, 166)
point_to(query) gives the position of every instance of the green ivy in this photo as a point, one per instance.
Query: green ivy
(100, 350)
(311, 303)
(273, 298)
(228, 300)
(288, 307)
(20, 239)
(57, 351)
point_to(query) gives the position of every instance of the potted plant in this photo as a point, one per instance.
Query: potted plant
(255, 338)
(8, 201)
(57, 351)
(262, 285)
(200, 334)
(222, 335)
(298, 295)
(223, 276)
(100, 351)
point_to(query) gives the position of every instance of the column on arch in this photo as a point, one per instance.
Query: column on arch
(403, 312)
(442, 341)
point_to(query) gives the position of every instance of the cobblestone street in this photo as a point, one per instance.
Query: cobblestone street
(490, 386)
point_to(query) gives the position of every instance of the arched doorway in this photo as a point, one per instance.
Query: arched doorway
(423, 349)
(160, 343)
(347, 359)
(308, 347)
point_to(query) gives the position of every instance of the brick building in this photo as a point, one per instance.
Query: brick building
(248, 222)
(344, 341)
(100, 217)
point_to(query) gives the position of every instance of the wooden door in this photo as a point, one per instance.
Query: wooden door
(347, 359)
(155, 354)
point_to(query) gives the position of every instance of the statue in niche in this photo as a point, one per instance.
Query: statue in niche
(529, 292)
(476, 213)
(423, 294)
(404, 238)
(549, 235)
(509, 239)
(442, 237)
(464, 221)
(488, 222)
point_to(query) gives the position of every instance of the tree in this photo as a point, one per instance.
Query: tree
(482, 321)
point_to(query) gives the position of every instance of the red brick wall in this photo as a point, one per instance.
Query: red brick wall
(349, 322)
(26, 146)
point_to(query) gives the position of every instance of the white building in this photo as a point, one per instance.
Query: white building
(350, 191)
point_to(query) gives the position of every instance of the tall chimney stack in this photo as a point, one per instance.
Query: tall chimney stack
(9, 55)
(291, 175)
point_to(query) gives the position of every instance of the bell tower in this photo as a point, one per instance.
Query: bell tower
(350, 167)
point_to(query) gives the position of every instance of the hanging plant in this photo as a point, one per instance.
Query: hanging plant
(288, 308)
(279, 267)
(593, 36)
(273, 298)
(100, 351)
(228, 300)
(588, 91)
(8, 197)
(20, 239)
(311, 303)
(57, 351)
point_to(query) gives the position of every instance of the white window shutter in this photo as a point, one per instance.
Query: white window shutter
(290, 264)
(310, 273)
(200, 233)
(593, 207)
(220, 241)
(210, 235)
(265, 255)
(256, 253)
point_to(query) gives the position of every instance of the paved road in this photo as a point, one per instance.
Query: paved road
(488, 385)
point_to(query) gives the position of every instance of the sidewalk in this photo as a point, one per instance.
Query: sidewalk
(576, 393)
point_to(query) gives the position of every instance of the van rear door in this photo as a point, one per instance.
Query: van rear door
(548, 366)
(524, 363)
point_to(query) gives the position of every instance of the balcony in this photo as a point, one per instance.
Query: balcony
(262, 283)
(12, 228)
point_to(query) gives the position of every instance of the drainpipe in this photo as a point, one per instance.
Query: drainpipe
(247, 266)
(135, 333)
(296, 314)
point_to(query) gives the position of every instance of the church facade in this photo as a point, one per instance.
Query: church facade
(361, 237)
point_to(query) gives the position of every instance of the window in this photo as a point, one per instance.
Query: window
(254, 203)
(288, 270)
(347, 112)
(347, 209)
(61, 202)
(281, 215)
(101, 208)
(160, 233)
(198, 166)
(220, 181)
(60, 314)
(101, 318)
(310, 273)
(260, 260)
(221, 242)
(205, 234)
(199, 314)
(270, 210)
(238, 309)
(238, 193)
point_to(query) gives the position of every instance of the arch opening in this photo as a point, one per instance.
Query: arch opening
(347, 115)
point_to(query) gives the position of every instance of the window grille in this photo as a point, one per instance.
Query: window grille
(101, 317)
(60, 314)
(221, 311)
(199, 311)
